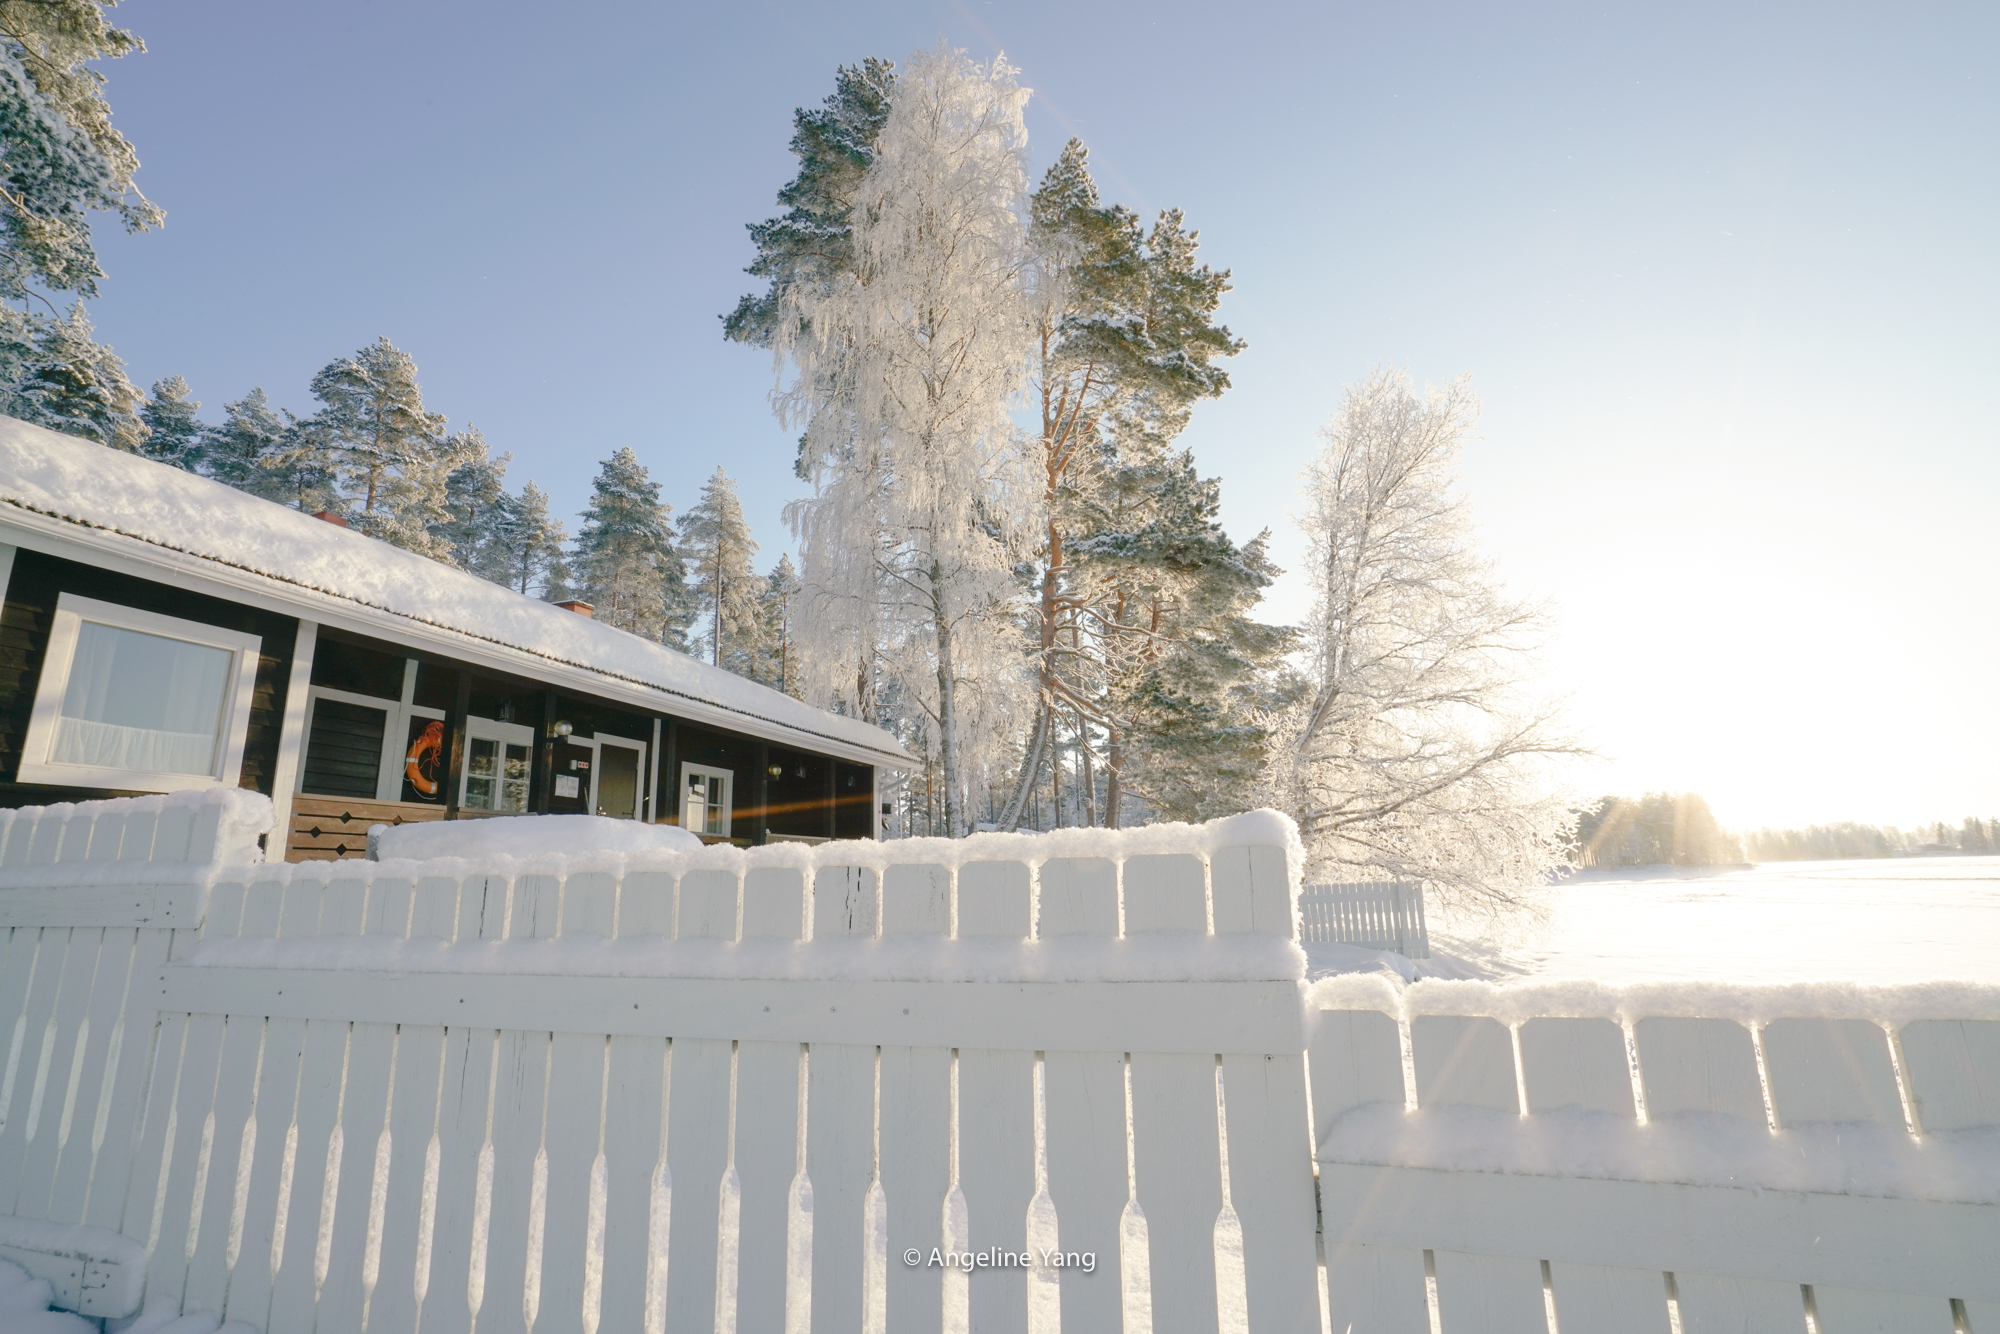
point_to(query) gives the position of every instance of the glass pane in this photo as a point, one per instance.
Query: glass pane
(514, 781)
(481, 766)
(142, 702)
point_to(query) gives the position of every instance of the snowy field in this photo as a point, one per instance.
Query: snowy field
(1890, 921)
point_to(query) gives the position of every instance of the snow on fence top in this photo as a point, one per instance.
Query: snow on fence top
(1174, 902)
(82, 483)
(127, 837)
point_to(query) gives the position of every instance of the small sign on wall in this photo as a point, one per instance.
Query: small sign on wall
(566, 785)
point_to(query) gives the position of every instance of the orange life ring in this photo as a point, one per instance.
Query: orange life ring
(425, 759)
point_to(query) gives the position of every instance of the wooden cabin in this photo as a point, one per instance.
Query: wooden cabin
(163, 632)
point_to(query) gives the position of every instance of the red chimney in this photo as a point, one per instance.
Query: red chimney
(579, 606)
(328, 516)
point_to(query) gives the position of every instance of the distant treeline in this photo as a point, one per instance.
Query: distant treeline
(1831, 841)
(1678, 829)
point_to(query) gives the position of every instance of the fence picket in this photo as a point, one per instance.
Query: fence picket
(767, 1161)
(1576, 1063)
(1715, 1305)
(458, 1242)
(996, 1172)
(1598, 1299)
(840, 1118)
(1698, 1065)
(1954, 1071)
(1490, 1294)
(1355, 1058)
(1831, 1070)
(1085, 1092)
(1463, 1062)
(322, 1076)
(519, 1218)
(916, 1173)
(187, 1158)
(1376, 1289)
(1179, 1170)
(1847, 1311)
(1270, 1185)
(33, 1045)
(408, 1235)
(251, 1270)
(207, 1286)
(634, 1117)
(364, 1109)
(697, 1154)
(571, 1140)
(77, 1154)
(49, 1119)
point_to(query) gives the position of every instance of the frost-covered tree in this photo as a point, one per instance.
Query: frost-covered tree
(174, 434)
(1421, 748)
(475, 506)
(905, 364)
(1125, 343)
(60, 161)
(70, 382)
(268, 453)
(716, 540)
(625, 561)
(810, 245)
(776, 606)
(373, 420)
(531, 541)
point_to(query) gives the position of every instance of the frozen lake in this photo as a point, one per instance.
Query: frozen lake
(1904, 920)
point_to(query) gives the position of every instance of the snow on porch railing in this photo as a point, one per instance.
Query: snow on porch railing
(1706, 1157)
(1375, 915)
(716, 1089)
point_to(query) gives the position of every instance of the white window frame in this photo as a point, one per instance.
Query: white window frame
(237, 694)
(598, 742)
(728, 778)
(507, 734)
(395, 734)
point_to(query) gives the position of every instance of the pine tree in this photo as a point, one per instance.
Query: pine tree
(73, 384)
(532, 543)
(626, 564)
(270, 453)
(174, 434)
(716, 538)
(475, 501)
(1126, 344)
(811, 244)
(776, 606)
(60, 161)
(374, 422)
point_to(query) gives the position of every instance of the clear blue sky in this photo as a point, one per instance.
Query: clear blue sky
(1724, 274)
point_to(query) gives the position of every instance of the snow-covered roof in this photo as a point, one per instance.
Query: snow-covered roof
(118, 502)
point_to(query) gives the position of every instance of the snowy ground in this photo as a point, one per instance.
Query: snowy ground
(1890, 921)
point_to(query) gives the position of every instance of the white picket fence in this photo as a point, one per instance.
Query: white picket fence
(1374, 914)
(730, 1090)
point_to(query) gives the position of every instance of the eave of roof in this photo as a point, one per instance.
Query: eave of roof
(630, 670)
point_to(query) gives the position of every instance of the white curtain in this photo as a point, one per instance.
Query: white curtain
(142, 702)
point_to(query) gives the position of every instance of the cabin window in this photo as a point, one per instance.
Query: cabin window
(135, 700)
(497, 762)
(370, 747)
(705, 799)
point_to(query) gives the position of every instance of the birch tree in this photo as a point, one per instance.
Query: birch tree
(1422, 748)
(904, 365)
